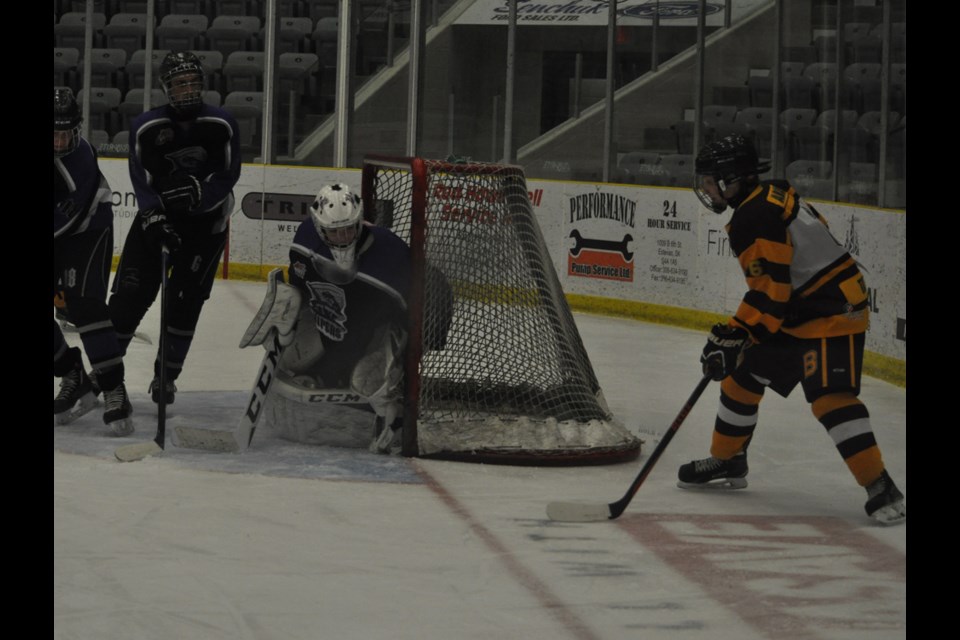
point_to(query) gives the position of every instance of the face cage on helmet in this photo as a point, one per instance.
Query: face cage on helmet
(344, 253)
(74, 141)
(717, 206)
(342, 249)
(187, 97)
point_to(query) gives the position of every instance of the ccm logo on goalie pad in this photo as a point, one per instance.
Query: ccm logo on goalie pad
(336, 398)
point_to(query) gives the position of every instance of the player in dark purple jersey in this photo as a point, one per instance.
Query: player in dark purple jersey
(82, 252)
(184, 164)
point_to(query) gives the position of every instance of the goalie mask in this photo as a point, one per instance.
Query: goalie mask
(66, 122)
(722, 164)
(337, 213)
(181, 75)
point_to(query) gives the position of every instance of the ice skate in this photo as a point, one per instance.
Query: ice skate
(155, 390)
(714, 473)
(885, 503)
(76, 396)
(117, 411)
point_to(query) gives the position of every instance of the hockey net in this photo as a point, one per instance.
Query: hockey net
(496, 368)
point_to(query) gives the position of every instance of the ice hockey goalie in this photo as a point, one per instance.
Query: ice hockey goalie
(339, 380)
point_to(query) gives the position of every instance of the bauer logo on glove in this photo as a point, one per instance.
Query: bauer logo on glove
(158, 231)
(724, 350)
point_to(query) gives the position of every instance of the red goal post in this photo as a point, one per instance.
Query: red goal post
(496, 370)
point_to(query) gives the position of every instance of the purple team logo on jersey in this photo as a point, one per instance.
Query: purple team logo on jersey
(164, 136)
(188, 159)
(329, 305)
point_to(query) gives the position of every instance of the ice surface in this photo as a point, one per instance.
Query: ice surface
(296, 542)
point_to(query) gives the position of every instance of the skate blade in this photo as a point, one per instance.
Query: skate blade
(121, 428)
(85, 405)
(891, 514)
(725, 484)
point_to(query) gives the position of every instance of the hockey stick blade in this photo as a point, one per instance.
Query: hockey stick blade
(578, 512)
(574, 512)
(137, 451)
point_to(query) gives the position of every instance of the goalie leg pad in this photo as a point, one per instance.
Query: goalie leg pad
(304, 349)
(378, 374)
(279, 310)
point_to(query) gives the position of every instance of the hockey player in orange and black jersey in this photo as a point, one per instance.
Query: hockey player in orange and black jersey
(184, 163)
(82, 253)
(802, 320)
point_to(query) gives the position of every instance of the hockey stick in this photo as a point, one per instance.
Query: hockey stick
(593, 512)
(140, 450)
(239, 439)
(269, 315)
(68, 327)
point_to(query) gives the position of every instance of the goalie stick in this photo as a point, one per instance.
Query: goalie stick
(239, 439)
(264, 329)
(140, 450)
(593, 512)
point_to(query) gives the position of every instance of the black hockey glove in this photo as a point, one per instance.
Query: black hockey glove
(158, 231)
(724, 350)
(180, 193)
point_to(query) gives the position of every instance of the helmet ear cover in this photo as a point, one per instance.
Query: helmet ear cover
(66, 117)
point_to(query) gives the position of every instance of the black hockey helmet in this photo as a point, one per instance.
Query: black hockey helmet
(66, 117)
(725, 162)
(181, 76)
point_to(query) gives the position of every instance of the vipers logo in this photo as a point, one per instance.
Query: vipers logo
(669, 10)
(329, 306)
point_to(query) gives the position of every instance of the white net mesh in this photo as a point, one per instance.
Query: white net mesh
(502, 373)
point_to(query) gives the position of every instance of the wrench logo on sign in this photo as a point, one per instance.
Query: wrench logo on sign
(581, 243)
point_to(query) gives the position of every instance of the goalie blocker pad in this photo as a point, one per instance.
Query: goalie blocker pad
(279, 310)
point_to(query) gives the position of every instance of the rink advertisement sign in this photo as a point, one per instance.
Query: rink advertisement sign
(669, 263)
(604, 259)
(282, 207)
(649, 245)
(593, 13)
(598, 247)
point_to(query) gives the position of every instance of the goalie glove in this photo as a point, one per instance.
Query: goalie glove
(158, 231)
(180, 193)
(724, 350)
